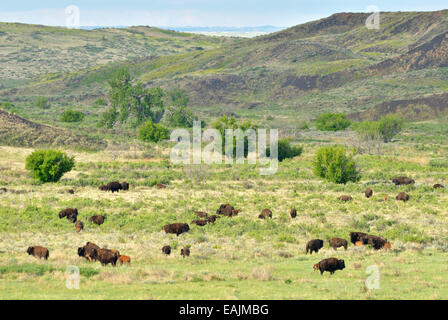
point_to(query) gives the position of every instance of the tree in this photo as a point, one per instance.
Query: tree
(49, 165)
(389, 126)
(368, 134)
(332, 164)
(285, 150)
(132, 101)
(332, 122)
(178, 97)
(152, 132)
(178, 115)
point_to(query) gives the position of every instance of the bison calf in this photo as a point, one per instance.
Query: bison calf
(38, 252)
(79, 226)
(331, 265)
(314, 245)
(337, 243)
(124, 259)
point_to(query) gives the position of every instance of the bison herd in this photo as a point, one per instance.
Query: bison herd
(93, 252)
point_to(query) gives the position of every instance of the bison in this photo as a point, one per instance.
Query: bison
(185, 252)
(177, 228)
(124, 259)
(314, 245)
(345, 198)
(357, 236)
(201, 214)
(38, 252)
(88, 251)
(337, 243)
(293, 213)
(212, 218)
(331, 265)
(402, 181)
(105, 256)
(227, 210)
(125, 186)
(438, 186)
(316, 267)
(376, 242)
(161, 186)
(402, 196)
(200, 223)
(70, 213)
(103, 187)
(98, 219)
(3, 190)
(368, 193)
(266, 213)
(71, 191)
(166, 250)
(79, 226)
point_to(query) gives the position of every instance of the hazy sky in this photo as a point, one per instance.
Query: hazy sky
(283, 13)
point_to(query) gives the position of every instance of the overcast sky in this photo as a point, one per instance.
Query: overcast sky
(175, 13)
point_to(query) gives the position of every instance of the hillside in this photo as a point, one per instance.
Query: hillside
(299, 72)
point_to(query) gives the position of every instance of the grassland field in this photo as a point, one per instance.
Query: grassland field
(236, 258)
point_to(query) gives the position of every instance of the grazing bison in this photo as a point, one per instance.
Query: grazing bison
(402, 196)
(357, 236)
(368, 193)
(337, 243)
(166, 250)
(125, 186)
(98, 219)
(345, 198)
(331, 265)
(402, 181)
(71, 191)
(201, 214)
(227, 210)
(124, 259)
(3, 190)
(88, 251)
(438, 186)
(293, 213)
(161, 186)
(212, 218)
(376, 242)
(185, 252)
(200, 223)
(177, 228)
(105, 256)
(314, 245)
(103, 187)
(114, 186)
(266, 213)
(70, 213)
(38, 252)
(79, 226)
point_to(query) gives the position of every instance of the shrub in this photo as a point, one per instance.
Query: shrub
(72, 116)
(152, 132)
(101, 101)
(42, 103)
(49, 165)
(332, 122)
(285, 150)
(389, 126)
(179, 116)
(332, 164)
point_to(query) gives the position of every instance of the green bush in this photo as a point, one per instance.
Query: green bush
(72, 116)
(49, 165)
(332, 164)
(152, 132)
(285, 150)
(42, 103)
(101, 101)
(389, 126)
(332, 122)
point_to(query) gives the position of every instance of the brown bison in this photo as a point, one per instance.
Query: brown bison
(70, 213)
(88, 251)
(200, 223)
(125, 186)
(98, 219)
(368, 193)
(177, 228)
(3, 190)
(201, 214)
(402, 196)
(331, 265)
(105, 256)
(161, 186)
(103, 187)
(212, 218)
(337, 243)
(293, 213)
(38, 252)
(345, 198)
(357, 236)
(166, 250)
(79, 226)
(376, 242)
(227, 210)
(402, 181)
(316, 267)
(185, 252)
(314, 245)
(71, 191)
(265, 213)
(114, 186)
(438, 186)
(124, 260)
